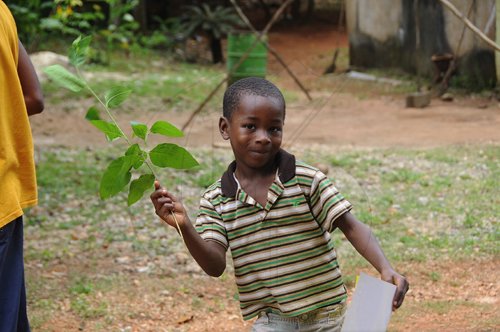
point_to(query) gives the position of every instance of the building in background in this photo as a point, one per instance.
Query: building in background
(410, 34)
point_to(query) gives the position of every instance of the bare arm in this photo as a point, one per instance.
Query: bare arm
(362, 238)
(29, 82)
(210, 255)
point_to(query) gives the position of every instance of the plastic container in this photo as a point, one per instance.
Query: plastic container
(255, 64)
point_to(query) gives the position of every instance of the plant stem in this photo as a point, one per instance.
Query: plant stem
(105, 108)
(177, 225)
(173, 215)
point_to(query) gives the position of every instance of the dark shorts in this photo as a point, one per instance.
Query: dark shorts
(13, 316)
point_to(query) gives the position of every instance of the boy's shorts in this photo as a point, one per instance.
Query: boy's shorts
(13, 316)
(325, 319)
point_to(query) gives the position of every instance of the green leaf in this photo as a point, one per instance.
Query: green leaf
(139, 186)
(128, 17)
(79, 50)
(173, 156)
(166, 129)
(92, 114)
(138, 154)
(64, 78)
(116, 96)
(111, 130)
(140, 129)
(116, 177)
(51, 24)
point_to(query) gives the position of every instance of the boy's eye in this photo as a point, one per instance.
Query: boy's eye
(249, 126)
(275, 130)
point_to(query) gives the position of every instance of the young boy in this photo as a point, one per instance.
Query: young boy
(276, 215)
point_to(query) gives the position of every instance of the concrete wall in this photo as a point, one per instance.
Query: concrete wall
(406, 33)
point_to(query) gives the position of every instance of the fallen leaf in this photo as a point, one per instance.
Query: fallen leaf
(184, 319)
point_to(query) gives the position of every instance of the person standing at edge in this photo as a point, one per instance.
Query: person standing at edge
(20, 97)
(276, 215)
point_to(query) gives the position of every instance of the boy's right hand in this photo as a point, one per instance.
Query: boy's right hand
(166, 206)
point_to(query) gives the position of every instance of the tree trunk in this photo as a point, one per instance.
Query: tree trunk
(295, 9)
(310, 8)
(140, 12)
(216, 49)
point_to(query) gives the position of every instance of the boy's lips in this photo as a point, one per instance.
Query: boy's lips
(259, 151)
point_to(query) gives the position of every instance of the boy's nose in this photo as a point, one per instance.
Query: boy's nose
(263, 137)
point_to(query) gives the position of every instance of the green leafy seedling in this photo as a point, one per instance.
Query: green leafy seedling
(133, 171)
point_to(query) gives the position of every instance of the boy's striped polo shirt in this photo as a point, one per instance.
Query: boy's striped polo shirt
(283, 254)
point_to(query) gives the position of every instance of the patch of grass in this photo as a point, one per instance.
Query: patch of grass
(345, 161)
(403, 175)
(440, 155)
(62, 173)
(207, 173)
(82, 286)
(443, 307)
(182, 85)
(412, 200)
(434, 276)
(197, 302)
(40, 309)
(425, 204)
(87, 308)
(153, 82)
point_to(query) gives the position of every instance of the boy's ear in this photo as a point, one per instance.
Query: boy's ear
(224, 128)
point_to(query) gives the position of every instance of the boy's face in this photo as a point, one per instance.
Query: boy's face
(255, 131)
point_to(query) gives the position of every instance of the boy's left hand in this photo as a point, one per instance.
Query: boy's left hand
(401, 283)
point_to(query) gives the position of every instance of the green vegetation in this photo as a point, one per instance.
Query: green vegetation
(110, 21)
(118, 174)
(420, 206)
(423, 205)
(155, 83)
(216, 22)
(119, 25)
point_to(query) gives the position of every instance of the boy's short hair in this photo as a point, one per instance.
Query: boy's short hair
(250, 86)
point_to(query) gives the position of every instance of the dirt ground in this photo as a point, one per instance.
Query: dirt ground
(464, 299)
(340, 118)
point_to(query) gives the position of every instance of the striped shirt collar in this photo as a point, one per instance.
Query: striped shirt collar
(286, 171)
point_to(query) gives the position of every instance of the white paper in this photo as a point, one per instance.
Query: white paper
(371, 306)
